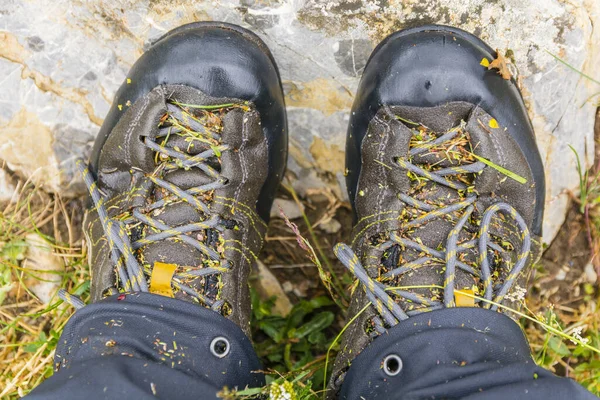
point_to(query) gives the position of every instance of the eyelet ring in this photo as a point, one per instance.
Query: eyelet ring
(220, 347)
(392, 365)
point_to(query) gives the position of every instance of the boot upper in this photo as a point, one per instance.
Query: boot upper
(446, 183)
(184, 170)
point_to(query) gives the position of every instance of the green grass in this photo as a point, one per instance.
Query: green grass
(29, 330)
(297, 351)
(292, 348)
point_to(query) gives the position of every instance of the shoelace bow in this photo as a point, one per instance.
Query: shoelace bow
(378, 292)
(131, 274)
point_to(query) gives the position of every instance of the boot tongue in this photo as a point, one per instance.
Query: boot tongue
(174, 250)
(433, 233)
(177, 212)
(389, 200)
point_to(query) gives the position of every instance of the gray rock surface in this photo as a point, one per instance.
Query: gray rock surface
(289, 208)
(61, 62)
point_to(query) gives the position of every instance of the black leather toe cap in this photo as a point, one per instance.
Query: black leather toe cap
(430, 66)
(221, 60)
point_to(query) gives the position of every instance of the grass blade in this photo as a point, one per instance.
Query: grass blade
(503, 171)
(557, 58)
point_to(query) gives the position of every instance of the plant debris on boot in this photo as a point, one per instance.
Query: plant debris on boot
(413, 276)
(189, 138)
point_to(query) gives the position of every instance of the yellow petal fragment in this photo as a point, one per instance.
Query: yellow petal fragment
(160, 281)
(464, 298)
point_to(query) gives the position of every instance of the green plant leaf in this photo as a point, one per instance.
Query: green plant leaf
(83, 288)
(317, 338)
(14, 251)
(582, 181)
(274, 328)
(204, 107)
(32, 347)
(320, 301)
(317, 323)
(559, 347)
(216, 150)
(500, 169)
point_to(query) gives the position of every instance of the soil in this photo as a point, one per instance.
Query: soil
(561, 276)
(563, 264)
(289, 263)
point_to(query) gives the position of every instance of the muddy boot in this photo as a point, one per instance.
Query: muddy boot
(182, 177)
(447, 186)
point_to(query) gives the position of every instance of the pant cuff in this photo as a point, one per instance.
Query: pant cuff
(184, 336)
(437, 353)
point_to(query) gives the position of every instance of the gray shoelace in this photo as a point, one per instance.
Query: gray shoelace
(133, 276)
(378, 292)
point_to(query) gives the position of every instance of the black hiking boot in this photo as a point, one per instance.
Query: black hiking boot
(446, 183)
(184, 170)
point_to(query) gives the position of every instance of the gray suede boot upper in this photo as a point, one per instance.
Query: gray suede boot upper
(184, 171)
(179, 177)
(438, 224)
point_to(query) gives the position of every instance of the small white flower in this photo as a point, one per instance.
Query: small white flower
(284, 391)
(576, 333)
(518, 294)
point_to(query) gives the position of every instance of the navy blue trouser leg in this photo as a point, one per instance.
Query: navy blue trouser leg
(466, 353)
(144, 346)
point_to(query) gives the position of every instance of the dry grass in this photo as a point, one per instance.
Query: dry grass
(29, 329)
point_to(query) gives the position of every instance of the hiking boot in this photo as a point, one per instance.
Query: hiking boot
(184, 170)
(446, 183)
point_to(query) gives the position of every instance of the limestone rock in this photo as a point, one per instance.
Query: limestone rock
(288, 207)
(7, 187)
(331, 226)
(267, 286)
(44, 266)
(61, 68)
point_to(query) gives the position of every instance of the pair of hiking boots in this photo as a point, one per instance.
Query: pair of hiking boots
(184, 170)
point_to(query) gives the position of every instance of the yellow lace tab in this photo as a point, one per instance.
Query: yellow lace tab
(464, 298)
(160, 281)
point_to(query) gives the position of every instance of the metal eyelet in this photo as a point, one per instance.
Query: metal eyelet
(219, 347)
(392, 365)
